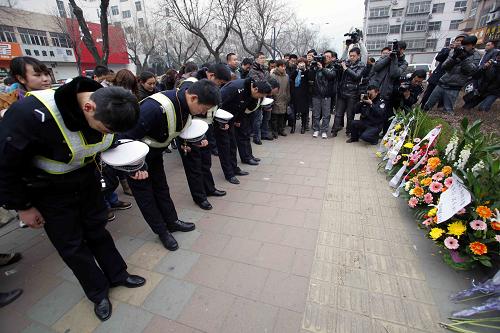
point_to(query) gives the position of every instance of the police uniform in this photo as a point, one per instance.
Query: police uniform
(371, 123)
(47, 152)
(243, 134)
(236, 98)
(198, 162)
(163, 116)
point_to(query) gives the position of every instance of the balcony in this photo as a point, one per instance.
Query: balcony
(467, 24)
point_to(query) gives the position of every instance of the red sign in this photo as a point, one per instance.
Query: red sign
(9, 51)
(117, 45)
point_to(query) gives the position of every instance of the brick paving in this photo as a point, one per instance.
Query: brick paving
(311, 241)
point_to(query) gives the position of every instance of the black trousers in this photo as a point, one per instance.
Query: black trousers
(344, 105)
(75, 219)
(278, 123)
(226, 144)
(427, 93)
(153, 195)
(366, 132)
(197, 164)
(211, 138)
(243, 134)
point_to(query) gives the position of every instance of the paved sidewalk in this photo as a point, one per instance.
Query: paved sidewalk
(311, 241)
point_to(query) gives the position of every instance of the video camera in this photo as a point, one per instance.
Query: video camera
(317, 59)
(395, 47)
(354, 37)
(459, 52)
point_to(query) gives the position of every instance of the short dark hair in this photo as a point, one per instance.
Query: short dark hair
(229, 55)
(470, 40)
(18, 66)
(293, 56)
(272, 61)
(286, 55)
(100, 70)
(258, 54)
(402, 45)
(273, 83)
(246, 61)
(334, 54)
(126, 79)
(312, 51)
(221, 71)
(116, 107)
(372, 59)
(145, 76)
(386, 48)
(263, 87)
(207, 91)
(421, 73)
(280, 62)
(190, 66)
(373, 87)
(356, 49)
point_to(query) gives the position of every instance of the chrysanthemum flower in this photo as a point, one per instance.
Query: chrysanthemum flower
(428, 198)
(448, 182)
(438, 176)
(478, 248)
(436, 187)
(478, 225)
(456, 228)
(446, 170)
(412, 202)
(426, 181)
(451, 243)
(484, 212)
(418, 192)
(435, 233)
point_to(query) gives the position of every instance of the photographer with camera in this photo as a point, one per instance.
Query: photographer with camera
(355, 40)
(488, 77)
(322, 73)
(409, 90)
(386, 73)
(372, 108)
(348, 93)
(461, 64)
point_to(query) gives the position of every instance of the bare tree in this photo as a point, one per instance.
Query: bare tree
(211, 22)
(70, 30)
(181, 46)
(8, 3)
(87, 36)
(141, 42)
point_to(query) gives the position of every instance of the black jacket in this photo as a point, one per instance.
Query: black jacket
(143, 93)
(459, 69)
(386, 73)
(351, 77)
(302, 91)
(25, 133)
(489, 80)
(406, 104)
(323, 81)
(373, 115)
(153, 122)
(258, 72)
(237, 97)
(439, 71)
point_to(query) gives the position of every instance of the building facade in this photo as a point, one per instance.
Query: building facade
(425, 25)
(482, 19)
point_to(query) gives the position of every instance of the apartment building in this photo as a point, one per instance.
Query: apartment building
(425, 25)
(482, 18)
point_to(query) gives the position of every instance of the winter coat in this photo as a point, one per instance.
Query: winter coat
(489, 80)
(258, 72)
(439, 71)
(322, 81)
(386, 73)
(491, 54)
(373, 115)
(282, 98)
(143, 93)
(236, 97)
(351, 77)
(459, 71)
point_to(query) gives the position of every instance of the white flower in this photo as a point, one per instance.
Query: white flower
(478, 167)
(463, 157)
(451, 148)
(407, 186)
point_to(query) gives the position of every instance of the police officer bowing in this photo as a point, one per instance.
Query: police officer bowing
(48, 143)
(163, 116)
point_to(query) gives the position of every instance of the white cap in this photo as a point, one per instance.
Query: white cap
(127, 155)
(195, 132)
(222, 116)
(267, 101)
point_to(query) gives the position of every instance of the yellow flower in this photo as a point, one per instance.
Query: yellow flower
(408, 145)
(397, 127)
(435, 233)
(418, 192)
(446, 170)
(378, 154)
(433, 162)
(432, 212)
(456, 228)
(426, 181)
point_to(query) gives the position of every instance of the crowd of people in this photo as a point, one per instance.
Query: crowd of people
(50, 140)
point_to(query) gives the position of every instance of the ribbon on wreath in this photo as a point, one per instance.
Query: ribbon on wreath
(393, 152)
(396, 181)
(388, 136)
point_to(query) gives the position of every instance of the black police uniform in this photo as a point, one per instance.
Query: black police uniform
(153, 194)
(71, 203)
(198, 162)
(243, 135)
(371, 123)
(236, 98)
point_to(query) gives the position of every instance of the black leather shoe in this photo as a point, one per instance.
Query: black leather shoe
(204, 205)
(181, 226)
(233, 180)
(351, 140)
(241, 173)
(250, 162)
(103, 309)
(9, 297)
(257, 142)
(132, 281)
(217, 193)
(269, 138)
(169, 241)
(255, 159)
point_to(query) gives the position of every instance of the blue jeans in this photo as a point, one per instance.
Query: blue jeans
(486, 104)
(448, 96)
(257, 122)
(111, 199)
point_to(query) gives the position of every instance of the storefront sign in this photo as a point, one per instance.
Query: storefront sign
(9, 51)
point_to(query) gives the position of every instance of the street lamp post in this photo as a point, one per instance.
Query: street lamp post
(274, 43)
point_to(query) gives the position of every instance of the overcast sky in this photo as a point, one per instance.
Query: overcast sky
(340, 15)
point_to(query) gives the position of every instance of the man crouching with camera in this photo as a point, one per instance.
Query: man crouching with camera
(373, 110)
(409, 90)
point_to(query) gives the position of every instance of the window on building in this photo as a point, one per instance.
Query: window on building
(375, 44)
(114, 10)
(483, 20)
(35, 37)
(44, 53)
(138, 6)
(60, 8)
(36, 52)
(431, 44)
(419, 7)
(60, 40)
(434, 26)
(447, 42)
(394, 29)
(379, 12)
(28, 52)
(454, 24)
(460, 6)
(7, 34)
(51, 53)
(412, 26)
(140, 22)
(69, 52)
(378, 29)
(413, 44)
(397, 12)
(473, 8)
(438, 8)
(126, 14)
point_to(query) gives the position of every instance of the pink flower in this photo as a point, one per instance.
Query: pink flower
(461, 211)
(448, 182)
(433, 152)
(427, 222)
(451, 243)
(428, 199)
(438, 176)
(478, 225)
(497, 237)
(414, 158)
(412, 202)
(436, 187)
(416, 140)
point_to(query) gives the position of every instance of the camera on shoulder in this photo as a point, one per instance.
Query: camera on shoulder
(354, 37)
(320, 58)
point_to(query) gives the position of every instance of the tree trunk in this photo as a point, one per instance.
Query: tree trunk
(104, 31)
